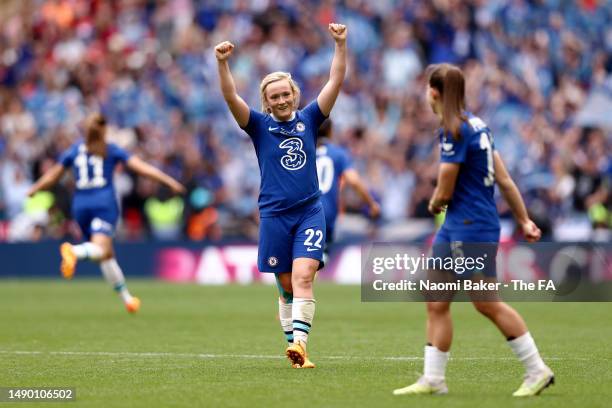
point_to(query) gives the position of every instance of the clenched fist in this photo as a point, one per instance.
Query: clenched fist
(338, 31)
(224, 50)
(531, 231)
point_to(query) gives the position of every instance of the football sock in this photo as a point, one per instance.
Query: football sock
(525, 350)
(113, 275)
(302, 313)
(435, 363)
(286, 321)
(88, 250)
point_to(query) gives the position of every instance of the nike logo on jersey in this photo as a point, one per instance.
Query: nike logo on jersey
(282, 131)
(310, 249)
(297, 129)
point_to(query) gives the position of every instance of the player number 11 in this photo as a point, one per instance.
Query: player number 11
(97, 164)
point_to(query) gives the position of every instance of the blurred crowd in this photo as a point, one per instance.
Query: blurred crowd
(531, 68)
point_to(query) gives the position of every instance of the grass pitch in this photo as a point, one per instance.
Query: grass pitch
(223, 347)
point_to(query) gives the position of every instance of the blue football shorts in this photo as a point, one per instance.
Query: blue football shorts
(471, 251)
(298, 233)
(96, 220)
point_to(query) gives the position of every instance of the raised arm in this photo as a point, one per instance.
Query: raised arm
(352, 179)
(137, 165)
(236, 104)
(330, 91)
(48, 179)
(445, 187)
(515, 201)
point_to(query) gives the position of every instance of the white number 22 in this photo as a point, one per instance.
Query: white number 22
(311, 234)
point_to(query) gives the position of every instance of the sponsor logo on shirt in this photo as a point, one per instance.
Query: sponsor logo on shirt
(447, 148)
(295, 158)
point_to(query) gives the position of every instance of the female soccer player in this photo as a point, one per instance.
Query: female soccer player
(292, 226)
(94, 205)
(468, 170)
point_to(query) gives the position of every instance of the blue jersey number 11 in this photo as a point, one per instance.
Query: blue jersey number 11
(97, 164)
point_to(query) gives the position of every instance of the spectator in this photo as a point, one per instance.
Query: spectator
(149, 66)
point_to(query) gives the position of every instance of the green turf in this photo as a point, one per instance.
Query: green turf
(226, 322)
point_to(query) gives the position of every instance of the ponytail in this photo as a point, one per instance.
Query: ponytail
(95, 130)
(448, 80)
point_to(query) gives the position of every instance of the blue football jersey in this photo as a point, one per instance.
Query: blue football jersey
(286, 152)
(332, 161)
(93, 174)
(472, 204)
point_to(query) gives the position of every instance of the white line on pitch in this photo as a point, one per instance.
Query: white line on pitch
(247, 356)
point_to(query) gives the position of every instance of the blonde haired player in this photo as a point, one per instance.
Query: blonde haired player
(292, 227)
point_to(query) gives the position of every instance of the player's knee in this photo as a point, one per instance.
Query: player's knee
(105, 244)
(438, 308)
(107, 254)
(302, 280)
(488, 309)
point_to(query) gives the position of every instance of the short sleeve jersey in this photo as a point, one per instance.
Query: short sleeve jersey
(472, 205)
(286, 152)
(93, 174)
(332, 162)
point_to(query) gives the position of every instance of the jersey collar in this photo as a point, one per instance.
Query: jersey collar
(283, 121)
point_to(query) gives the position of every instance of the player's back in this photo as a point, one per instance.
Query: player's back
(332, 161)
(472, 204)
(93, 174)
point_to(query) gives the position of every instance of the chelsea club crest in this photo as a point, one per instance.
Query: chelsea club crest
(272, 261)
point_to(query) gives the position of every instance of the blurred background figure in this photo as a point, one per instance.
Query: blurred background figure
(537, 72)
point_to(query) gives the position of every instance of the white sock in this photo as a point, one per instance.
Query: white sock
(88, 250)
(525, 350)
(435, 363)
(113, 275)
(286, 320)
(302, 313)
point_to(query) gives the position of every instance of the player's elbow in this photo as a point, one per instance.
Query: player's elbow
(351, 179)
(336, 80)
